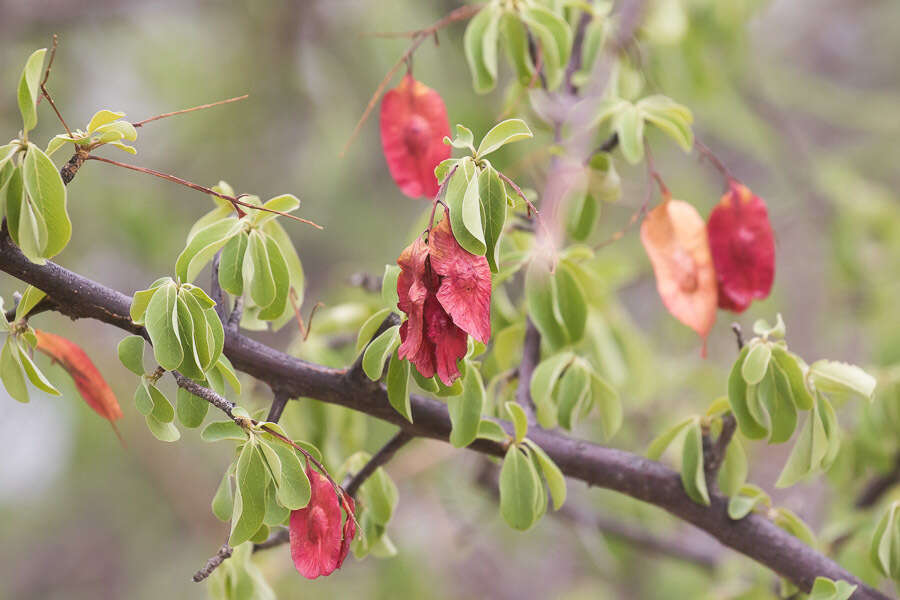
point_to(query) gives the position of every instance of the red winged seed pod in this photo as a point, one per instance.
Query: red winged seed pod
(445, 292)
(413, 125)
(319, 544)
(743, 248)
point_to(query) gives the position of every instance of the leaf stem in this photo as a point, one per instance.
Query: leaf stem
(192, 109)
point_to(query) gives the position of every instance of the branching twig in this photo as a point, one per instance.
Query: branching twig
(380, 458)
(279, 401)
(205, 393)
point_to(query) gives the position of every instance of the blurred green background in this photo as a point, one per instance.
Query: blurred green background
(800, 98)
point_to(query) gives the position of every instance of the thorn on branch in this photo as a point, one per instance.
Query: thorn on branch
(738, 335)
(279, 401)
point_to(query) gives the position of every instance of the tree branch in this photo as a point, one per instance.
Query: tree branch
(213, 563)
(627, 473)
(531, 356)
(387, 452)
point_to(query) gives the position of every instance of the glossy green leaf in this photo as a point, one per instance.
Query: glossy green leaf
(573, 395)
(543, 383)
(292, 484)
(29, 300)
(665, 439)
(885, 547)
(465, 409)
(556, 481)
(397, 383)
(34, 374)
(519, 420)
(737, 398)
(762, 328)
(554, 37)
(756, 363)
(191, 364)
(389, 286)
(791, 366)
(733, 472)
(515, 39)
(369, 327)
(378, 352)
(162, 409)
(572, 302)
(629, 125)
(285, 203)
(794, 525)
(142, 400)
(164, 432)
(191, 410)
(748, 496)
(465, 218)
(776, 394)
(223, 500)
(826, 589)
(231, 264)
(45, 187)
(203, 245)
(503, 133)
(693, 476)
(223, 366)
(274, 230)
(542, 299)
(161, 321)
(809, 449)
(251, 480)
(11, 371)
(492, 195)
(223, 430)
(607, 401)
(582, 217)
(482, 27)
(131, 354)
(518, 490)
(490, 430)
(29, 88)
(257, 271)
(102, 117)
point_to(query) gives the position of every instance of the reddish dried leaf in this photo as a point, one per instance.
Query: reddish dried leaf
(413, 125)
(674, 236)
(465, 291)
(315, 530)
(91, 385)
(448, 340)
(413, 286)
(349, 527)
(743, 248)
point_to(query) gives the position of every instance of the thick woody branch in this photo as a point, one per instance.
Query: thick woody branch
(627, 473)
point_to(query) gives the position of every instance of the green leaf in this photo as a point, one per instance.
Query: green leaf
(483, 25)
(201, 343)
(885, 543)
(556, 481)
(223, 501)
(164, 432)
(190, 365)
(492, 195)
(292, 484)
(543, 383)
(518, 490)
(465, 409)
(11, 371)
(28, 301)
(161, 322)
(223, 430)
(29, 88)
(14, 198)
(733, 473)
(203, 245)
(665, 439)
(257, 272)
(34, 375)
(693, 476)
(282, 278)
(142, 400)
(397, 383)
(809, 450)
(45, 187)
(582, 217)
(606, 399)
(747, 497)
(276, 514)
(503, 133)
(794, 525)
(369, 327)
(463, 140)
(519, 419)
(231, 263)
(832, 377)
(141, 300)
(379, 495)
(629, 125)
(250, 497)
(489, 430)
(555, 39)
(223, 366)
(757, 362)
(571, 296)
(162, 408)
(465, 218)
(32, 232)
(379, 351)
(776, 394)
(102, 117)
(389, 286)
(542, 299)
(285, 203)
(191, 409)
(791, 366)
(573, 395)
(826, 589)
(762, 328)
(737, 398)
(672, 118)
(516, 44)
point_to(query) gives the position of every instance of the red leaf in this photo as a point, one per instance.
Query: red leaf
(413, 125)
(448, 340)
(349, 527)
(743, 248)
(413, 286)
(465, 291)
(91, 385)
(315, 530)
(674, 236)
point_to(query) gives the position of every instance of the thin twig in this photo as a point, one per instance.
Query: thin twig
(459, 14)
(213, 563)
(45, 93)
(386, 453)
(279, 401)
(235, 201)
(305, 328)
(876, 488)
(280, 537)
(205, 393)
(708, 154)
(531, 356)
(192, 109)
